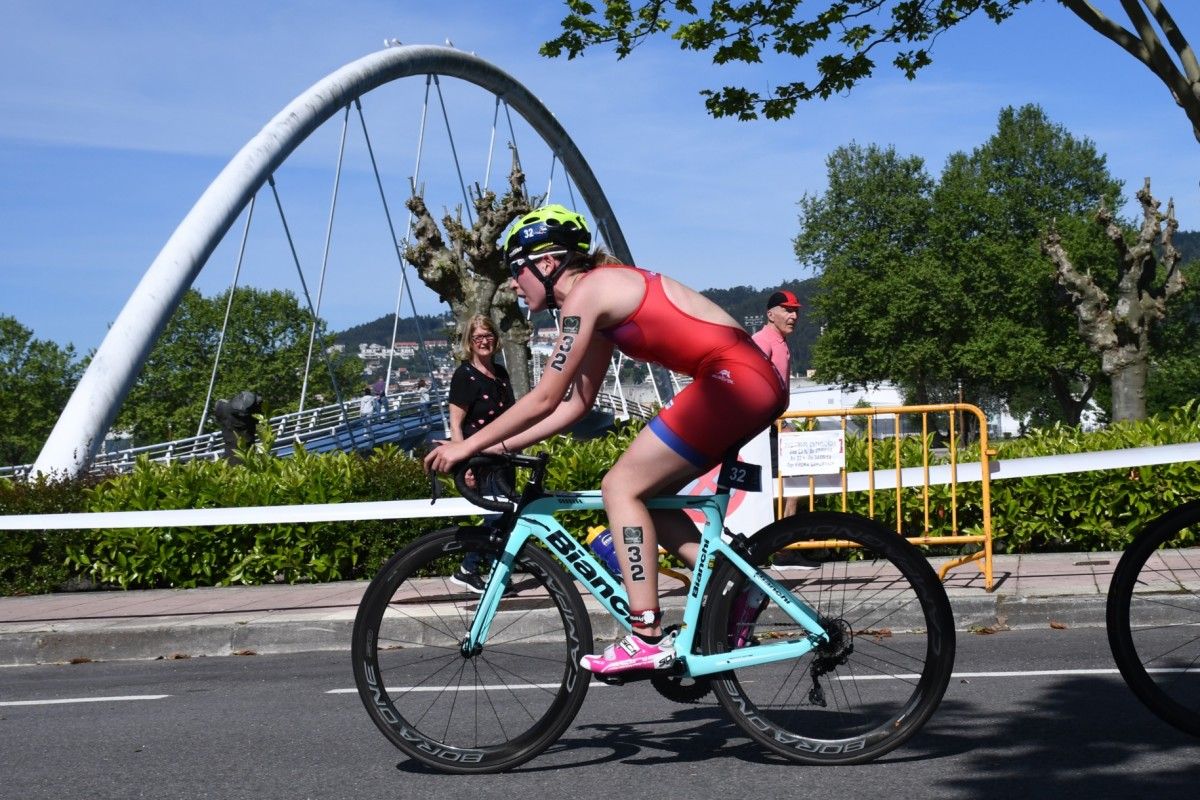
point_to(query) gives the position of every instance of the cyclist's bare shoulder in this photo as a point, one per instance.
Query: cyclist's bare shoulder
(611, 295)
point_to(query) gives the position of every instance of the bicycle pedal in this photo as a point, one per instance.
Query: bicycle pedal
(629, 676)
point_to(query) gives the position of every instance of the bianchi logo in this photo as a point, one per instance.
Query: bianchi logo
(723, 375)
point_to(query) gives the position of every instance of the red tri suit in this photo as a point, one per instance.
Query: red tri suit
(735, 390)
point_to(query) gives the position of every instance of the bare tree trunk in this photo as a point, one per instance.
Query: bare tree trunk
(1120, 332)
(470, 273)
(1129, 389)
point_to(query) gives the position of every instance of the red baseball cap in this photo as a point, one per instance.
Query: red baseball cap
(783, 298)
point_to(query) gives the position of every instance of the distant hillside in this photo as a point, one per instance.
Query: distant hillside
(379, 331)
(1188, 244)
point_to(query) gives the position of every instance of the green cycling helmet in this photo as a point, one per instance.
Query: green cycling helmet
(543, 228)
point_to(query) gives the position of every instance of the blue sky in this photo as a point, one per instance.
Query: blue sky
(114, 117)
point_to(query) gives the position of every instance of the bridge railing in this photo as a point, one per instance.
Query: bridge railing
(406, 418)
(623, 408)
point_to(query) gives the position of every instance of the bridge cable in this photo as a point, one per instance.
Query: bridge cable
(487, 173)
(454, 151)
(237, 271)
(311, 309)
(337, 182)
(398, 248)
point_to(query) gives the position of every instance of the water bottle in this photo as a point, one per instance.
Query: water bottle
(600, 539)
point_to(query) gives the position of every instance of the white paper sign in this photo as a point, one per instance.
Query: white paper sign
(811, 452)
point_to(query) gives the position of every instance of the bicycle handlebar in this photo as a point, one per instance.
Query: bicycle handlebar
(493, 467)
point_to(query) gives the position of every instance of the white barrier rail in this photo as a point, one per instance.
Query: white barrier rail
(458, 507)
(1000, 470)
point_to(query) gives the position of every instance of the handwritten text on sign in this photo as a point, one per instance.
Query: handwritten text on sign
(811, 452)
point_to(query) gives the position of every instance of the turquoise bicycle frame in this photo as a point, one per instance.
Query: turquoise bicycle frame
(536, 521)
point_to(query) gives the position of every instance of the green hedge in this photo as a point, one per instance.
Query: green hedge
(33, 562)
(1081, 511)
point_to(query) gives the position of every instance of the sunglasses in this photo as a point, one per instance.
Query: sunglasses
(518, 263)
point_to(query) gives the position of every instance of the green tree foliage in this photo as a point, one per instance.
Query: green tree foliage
(746, 31)
(991, 209)
(1175, 367)
(941, 286)
(844, 38)
(264, 351)
(886, 305)
(36, 378)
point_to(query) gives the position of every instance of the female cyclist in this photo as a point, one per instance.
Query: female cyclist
(735, 393)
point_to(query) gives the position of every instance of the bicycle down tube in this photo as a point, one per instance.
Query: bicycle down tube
(537, 521)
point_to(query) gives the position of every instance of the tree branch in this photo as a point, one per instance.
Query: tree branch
(1147, 49)
(1096, 323)
(1176, 39)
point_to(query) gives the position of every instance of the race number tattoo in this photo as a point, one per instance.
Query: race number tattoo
(564, 347)
(633, 544)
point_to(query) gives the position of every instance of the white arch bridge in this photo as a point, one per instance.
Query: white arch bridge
(80, 430)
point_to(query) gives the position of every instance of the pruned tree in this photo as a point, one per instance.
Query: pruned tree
(469, 272)
(1120, 331)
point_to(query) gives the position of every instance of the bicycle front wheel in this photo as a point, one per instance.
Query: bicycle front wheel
(887, 656)
(465, 712)
(1154, 617)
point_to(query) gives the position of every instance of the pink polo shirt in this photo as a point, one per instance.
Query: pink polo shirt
(771, 342)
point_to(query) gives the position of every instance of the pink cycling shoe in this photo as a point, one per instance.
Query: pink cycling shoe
(631, 653)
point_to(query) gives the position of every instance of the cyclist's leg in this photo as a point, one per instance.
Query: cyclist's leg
(677, 534)
(646, 469)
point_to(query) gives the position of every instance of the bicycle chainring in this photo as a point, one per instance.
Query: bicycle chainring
(680, 689)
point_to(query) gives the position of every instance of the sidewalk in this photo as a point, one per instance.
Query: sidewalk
(1030, 591)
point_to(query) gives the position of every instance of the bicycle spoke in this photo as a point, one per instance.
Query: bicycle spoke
(876, 675)
(445, 705)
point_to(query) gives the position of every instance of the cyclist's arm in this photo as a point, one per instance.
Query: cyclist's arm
(574, 347)
(580, 396)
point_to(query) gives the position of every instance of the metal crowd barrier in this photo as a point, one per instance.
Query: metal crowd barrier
(897, 415)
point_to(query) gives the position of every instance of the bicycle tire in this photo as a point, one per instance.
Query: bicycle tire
(485, 712)
(890, 652)
(1153, 617)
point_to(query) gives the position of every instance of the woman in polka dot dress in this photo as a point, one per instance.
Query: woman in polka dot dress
(479, 392)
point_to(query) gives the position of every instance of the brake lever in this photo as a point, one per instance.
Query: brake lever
(435, 488)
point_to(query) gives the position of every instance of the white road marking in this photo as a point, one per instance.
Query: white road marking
(487, 687)
(66, 700)
(1030, 673)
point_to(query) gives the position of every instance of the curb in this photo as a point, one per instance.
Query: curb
(300, 631)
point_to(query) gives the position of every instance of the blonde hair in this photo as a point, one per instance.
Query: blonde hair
(600, 257)
(477, 321)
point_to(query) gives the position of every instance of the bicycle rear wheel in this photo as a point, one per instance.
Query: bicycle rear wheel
(890, 648)
(1154, 617)
(473, 712)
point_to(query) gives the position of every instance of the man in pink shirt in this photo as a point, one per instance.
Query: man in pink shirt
(782, 310)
